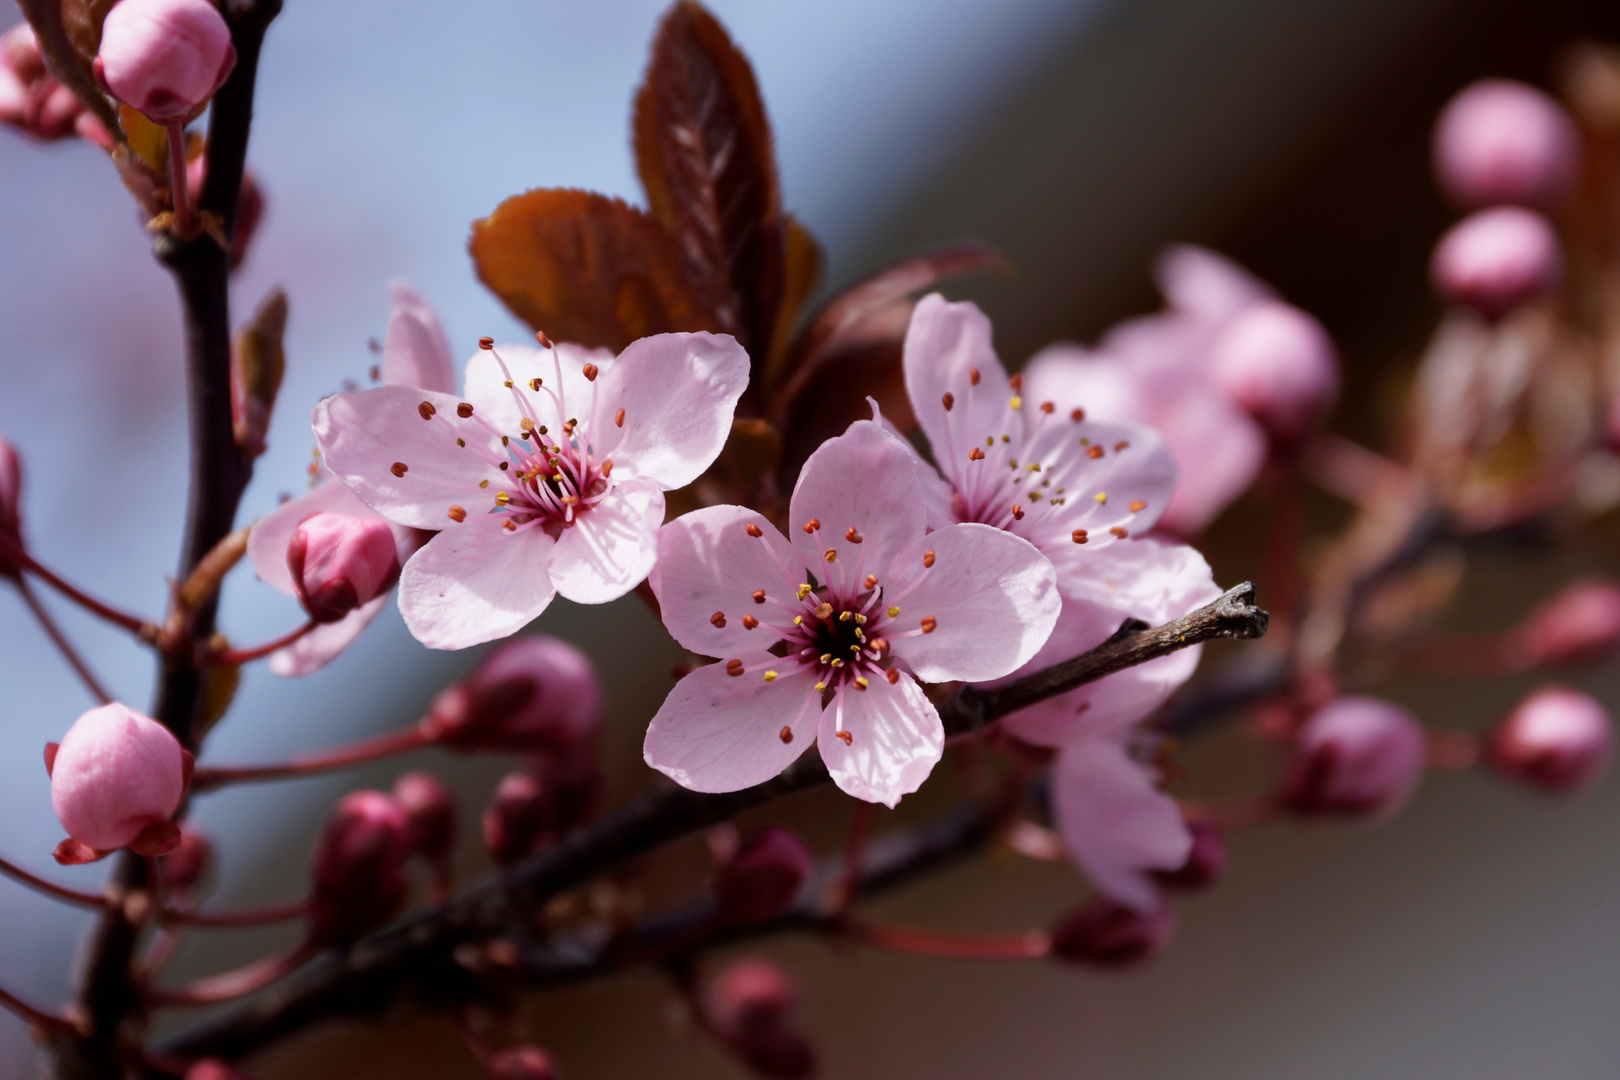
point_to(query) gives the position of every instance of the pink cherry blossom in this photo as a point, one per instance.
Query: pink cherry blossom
(339, 562)
(1358, 756)
(547, 477)
(1557, 739)
(164, 57)
(1500, 141)
(115, 775)
(416, 354)
(1497, 259)
(826, 636)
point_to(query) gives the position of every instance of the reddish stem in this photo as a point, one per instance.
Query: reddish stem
(177, 180)
(1232, 813)
(230, 919)
(233, 984)
(37, 1017)
(342, 757)
(1029, 945)
(14, 553)
(1282, 543)
(60, 640)
(1457, 750)
(860, 828)
(1461, 656)
(242, 656)
(60, 892)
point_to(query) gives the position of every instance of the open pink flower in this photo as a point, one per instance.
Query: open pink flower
(836, 651)
(547, 477)
(415, 354)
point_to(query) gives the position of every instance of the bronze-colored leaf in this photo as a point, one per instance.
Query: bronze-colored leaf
(804, 266)
(840, 316)
(585, 268)
(703, 148)
(69, 35)
(149, 142)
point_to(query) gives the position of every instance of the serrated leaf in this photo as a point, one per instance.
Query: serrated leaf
(585, 268)
(703, 149)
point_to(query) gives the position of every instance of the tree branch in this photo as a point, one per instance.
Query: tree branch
(416, 963)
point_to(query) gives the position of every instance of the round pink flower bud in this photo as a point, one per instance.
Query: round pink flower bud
(752, 995)
(1500, 141)
(358, 871)
(1580, 624)
(340, 562)
(1279, 364)
(164, 57)
(1105, 933)
(184, 868)
(215, 1069)
(1357, 756)
(1497, 259)
(115, 774)
(517, 816)
(431, 811)
(530, 695)
(1205, 865)
(1556, 739)
(763, 877)
(521, 1063)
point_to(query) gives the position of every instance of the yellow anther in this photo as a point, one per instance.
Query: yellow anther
(860, 620)
(502, 498)
(770, 676)
(894, 612)
(483, 483)
(860, 681)
(820, 686)
(1034, 466)
(798, 620)
(508, 384)
(826, 656)
(837, 663)
(845, 616)
(1101, 496)
(1016, 403)
(824, 610)
(804, 591)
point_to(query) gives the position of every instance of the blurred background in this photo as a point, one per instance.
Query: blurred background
(1477, 935)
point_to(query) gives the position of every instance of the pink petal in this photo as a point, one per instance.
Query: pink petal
(267, 544)
(1109, 705)
(1149, 579)
(321, 645)
(1201, 282)
(363, 435)
(936, 492)
(863, 479)
(1220, 451)
(708, 563)
(1115, 822)
(717, 732)
(678, 393)
(611, 546)
(476, 582)
(1072, 377)
(504, 407)
(896, 738)
(943, 342)
(993, 598)
(416, 352)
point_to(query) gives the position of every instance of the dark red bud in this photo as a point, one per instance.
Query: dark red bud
(184, 867)
(534, 694)
(431, 811)
(752, 996)
(215, 1069)
(572, 778)
(521, 1063)
(783, 1054)
(1205, 865)
(1557, 739)
(1105, 933)
(516, 818)
(763, 876)
(357, 874)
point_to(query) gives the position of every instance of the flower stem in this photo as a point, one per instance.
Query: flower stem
(60, 892)
(177, 180)
(341, 757)
(233, 984)
(233, 919)
(242, 656)
(13, 552)
(1457, 750)
(849, 883)
(36, 1017)
(1029, 945)
(63, 645)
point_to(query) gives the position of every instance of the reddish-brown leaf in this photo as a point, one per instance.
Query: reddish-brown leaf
(703, 147)
(586, 268)
(803, 273)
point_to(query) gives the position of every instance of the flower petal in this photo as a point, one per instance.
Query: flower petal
(678, 393)
(863, 479)
(475, 582)
(1108, 705)
(1115, 822)
(1220, 450)
(896, 738)
(416, 352)
(363, 435)
(321, 645)
(1146, 578)
(1202, 282)
(716, 732)
(504, 407)
(708, 563)
(1072, 378)
(611, 546)
(992, 597)
(267, 543)
(943, 342)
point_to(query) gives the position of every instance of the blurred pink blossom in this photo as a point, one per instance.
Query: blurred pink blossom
(762, 876)
(532, 694)
(1578, 624)
(30, 99)
(1107, 934)
(1359, 756)
(164, 58)
(1497, 259)
(358, 871)
(1500, 141)
(1557, 739)
(115, 775)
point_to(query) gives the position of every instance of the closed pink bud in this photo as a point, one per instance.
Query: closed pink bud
(752, 995)
(530, 695)
(358, 871)
(431, 811)
(215, 1069)
(1497, 259)
(763, 876)
(516, 818)
(1357, 756)
(521, 1063)
(1580, 624)
(1105, 933)
(115, 775)
(1279, 364)
(1205, 865)
(164, 57)
(340, 562)
(184, 868)
(1556, 739)
(1500, 141)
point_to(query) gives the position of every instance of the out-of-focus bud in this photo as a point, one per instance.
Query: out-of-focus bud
(10, 500)
(1105, 933)
(431, 811)
(1557, 739)
(751, 1004)
(516, 817)
(339, 562)
(572, 778)
(531, 695)
(1497, 259)
(1205, 865)
(116, 779)
(763, 876)
(521, 1063)
(1279, 364)
(1358, 756)
(1580, 624)
(164, 57)
(358, 872)
(215, 1069)
(261, 362)
(184, 867)
(30, 99)
(1500, 141)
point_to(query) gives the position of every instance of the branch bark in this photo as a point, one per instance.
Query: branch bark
(416, 963)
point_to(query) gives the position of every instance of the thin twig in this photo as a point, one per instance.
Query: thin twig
(14, 553)
(49, 888)
(63, 645)
(341, 757)
(230, 920)
(256, 652)
(35, 1016)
